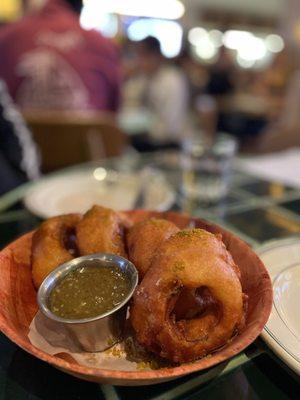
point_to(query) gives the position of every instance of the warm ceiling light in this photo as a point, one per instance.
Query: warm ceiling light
(216, 37)
(245, 63)
(274, 43)
(169, 33)
(237, 39)
(197, 34)
(206, 50)
(166, 9)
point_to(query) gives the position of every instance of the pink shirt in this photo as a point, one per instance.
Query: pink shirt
(49, 62)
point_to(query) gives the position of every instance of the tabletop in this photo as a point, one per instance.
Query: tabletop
(274, 212)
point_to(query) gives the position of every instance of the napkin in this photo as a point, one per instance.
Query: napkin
(53, 340)
(282, 167)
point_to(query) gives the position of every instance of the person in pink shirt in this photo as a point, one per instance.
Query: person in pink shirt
(49, 62)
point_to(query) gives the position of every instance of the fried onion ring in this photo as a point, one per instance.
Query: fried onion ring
(50, 245)
(189, 260)
(101, 231)
(144, 239)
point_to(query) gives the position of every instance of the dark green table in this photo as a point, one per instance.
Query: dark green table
(257, 211)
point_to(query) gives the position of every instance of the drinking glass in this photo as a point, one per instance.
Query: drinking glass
(207, 167)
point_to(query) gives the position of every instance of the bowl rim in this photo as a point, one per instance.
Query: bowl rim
(240, 342)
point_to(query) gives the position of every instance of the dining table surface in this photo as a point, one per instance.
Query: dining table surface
(256, 210)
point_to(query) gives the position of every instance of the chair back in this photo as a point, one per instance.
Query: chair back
(68, 138)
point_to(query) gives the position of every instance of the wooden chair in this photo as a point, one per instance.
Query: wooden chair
(68, 138)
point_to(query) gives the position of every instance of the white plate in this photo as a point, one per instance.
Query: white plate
(282, 332)
(78, 191)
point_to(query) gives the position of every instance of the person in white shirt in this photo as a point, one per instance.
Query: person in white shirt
(163, 90)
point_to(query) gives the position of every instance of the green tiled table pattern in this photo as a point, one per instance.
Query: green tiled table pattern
(257, 211)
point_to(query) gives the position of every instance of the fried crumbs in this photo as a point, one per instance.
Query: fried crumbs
(178, 266)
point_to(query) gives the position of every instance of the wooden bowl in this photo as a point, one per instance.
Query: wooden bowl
(18, 307)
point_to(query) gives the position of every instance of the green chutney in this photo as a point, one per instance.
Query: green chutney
(88, 292)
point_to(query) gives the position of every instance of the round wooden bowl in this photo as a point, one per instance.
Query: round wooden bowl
(18, 307)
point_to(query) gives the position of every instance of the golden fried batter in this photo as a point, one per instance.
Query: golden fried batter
(101, 231)
(144, 239)
(188, 260)
(49, 245)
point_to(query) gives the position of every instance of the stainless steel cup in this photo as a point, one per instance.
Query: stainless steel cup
(96, 333)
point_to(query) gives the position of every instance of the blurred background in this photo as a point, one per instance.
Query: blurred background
(83, 82)
(185, 105)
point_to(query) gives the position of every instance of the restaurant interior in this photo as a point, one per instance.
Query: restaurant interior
(137, 134)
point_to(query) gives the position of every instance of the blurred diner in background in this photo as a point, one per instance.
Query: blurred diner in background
(51, 63)
(94, 79)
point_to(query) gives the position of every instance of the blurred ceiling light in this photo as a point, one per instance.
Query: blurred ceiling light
(206, 50)
(274, 43)
(103, 22)
(166, 9)
(10, 9)
(245, 63)
(169, 33)
(253, 49)
(296, 31)
(236, 39)
(140, 29)
(248, 46)
(216, 37)
(206, 43)
(100, 174)
(197, 34)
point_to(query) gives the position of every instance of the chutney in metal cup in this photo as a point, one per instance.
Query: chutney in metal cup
(97, 326)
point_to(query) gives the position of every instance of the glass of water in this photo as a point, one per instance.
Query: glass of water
(207, 168)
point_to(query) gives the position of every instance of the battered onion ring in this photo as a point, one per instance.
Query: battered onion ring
(101, 231)
(190, 259)
(144, 239)
(49, 245)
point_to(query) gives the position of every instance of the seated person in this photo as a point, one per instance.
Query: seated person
(162, 89)
(52, 63)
